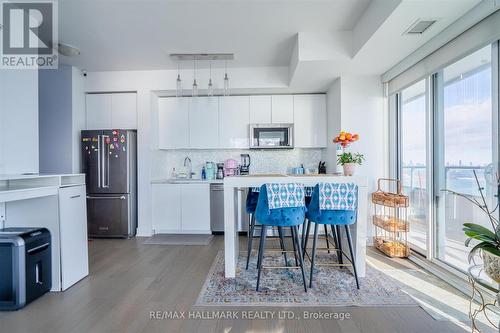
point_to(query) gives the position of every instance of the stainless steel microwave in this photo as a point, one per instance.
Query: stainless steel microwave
(271, 136)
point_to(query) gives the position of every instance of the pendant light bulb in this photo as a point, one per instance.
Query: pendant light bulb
(226, 81)
(178, 84)
(195, 85)
(210, 91)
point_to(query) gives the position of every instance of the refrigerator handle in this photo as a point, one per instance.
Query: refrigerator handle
(105, 161)
(99, 152)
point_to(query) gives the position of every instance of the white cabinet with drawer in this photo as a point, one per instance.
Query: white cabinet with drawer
(181, 208)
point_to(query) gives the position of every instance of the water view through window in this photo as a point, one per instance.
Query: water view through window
(464, 144)
(413, 158)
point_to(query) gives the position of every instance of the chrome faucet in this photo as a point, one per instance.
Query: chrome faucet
(187, 161)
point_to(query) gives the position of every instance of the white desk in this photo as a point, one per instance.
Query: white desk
(56, 202)
(232, 184)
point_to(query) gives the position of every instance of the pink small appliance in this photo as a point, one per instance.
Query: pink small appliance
(230, 167)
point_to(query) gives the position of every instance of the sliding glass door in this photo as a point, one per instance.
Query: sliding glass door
(447, 137)
(413, 160)
(464, 136)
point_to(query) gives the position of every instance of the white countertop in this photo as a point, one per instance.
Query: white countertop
(36, 175)
(187, 181)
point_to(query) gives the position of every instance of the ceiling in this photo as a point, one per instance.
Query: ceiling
(314, 41)
(139, 35)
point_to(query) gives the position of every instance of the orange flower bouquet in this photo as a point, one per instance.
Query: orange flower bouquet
(346, 138)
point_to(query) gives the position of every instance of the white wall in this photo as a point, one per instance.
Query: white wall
(357, 104)
(18, 121)
(333, 110)
(148, 84)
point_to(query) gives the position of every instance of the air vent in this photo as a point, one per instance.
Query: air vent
(419, 27)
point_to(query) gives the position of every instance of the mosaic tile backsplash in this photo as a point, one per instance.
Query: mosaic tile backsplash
(274, 161)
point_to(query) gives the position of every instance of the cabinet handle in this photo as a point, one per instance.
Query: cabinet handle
(75, 196)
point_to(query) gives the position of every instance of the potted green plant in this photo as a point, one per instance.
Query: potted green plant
(488, 238)
(349, 162)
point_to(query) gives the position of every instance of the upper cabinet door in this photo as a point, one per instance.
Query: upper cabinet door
(98, 108)
(260, 109)
(204, 122)
(282, 109)
(234, 118)
(173, 123)
(124, 110)
(310, 121)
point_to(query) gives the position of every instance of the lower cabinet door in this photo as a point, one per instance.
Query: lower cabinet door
(195, 202)
(166, 213)
(73, 227)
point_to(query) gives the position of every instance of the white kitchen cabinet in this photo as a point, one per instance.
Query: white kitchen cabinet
(124, 110)
(181, 208)
(73, 233)
(204, 122)
(173, 122)
(234, 118)
(310, 121)
(195, 208)
(98, 111)
(260, 109)
(282, 109)
(107, 111)
(166, 213)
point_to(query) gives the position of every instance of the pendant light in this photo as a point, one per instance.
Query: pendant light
(195, 85)
(210, 91)
(178, 86)
(226, 80)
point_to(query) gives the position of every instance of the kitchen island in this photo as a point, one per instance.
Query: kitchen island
(233, 184)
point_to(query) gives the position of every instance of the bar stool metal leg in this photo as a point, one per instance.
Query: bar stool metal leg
(339, 243)
(250, 238)
(304, 226)
(326, 237)
(294, 245)
(304, 248)
(315, 239)
(295, 233)
(263, 234)
(282, 243)
(353, 261)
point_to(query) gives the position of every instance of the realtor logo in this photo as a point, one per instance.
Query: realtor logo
(28, 38)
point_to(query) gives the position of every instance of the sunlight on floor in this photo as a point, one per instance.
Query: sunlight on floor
(439, 299)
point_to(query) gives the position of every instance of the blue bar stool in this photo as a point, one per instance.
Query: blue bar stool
(250, 207)
(281, 205)
(335, 205)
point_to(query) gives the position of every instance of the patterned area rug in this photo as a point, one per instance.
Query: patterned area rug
(333, 286)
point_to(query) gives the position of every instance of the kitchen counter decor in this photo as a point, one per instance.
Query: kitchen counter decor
(390, 220)
(348, 160)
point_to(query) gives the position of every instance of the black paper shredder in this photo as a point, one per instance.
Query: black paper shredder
(25, 266)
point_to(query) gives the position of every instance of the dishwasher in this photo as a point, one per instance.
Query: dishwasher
(217, 209)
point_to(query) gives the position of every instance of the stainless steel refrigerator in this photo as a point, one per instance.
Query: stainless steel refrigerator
(109, 159)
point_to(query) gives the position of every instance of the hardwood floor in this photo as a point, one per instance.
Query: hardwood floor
(128, 280)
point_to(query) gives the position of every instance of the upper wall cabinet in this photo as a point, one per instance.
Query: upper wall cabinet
(260, 109)
(282, 109)
(173, 123)
(98, 108)
(223, 122)
(124, 110)
(106, 111)
(310, 121)
(234, 117)
(204, 122)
